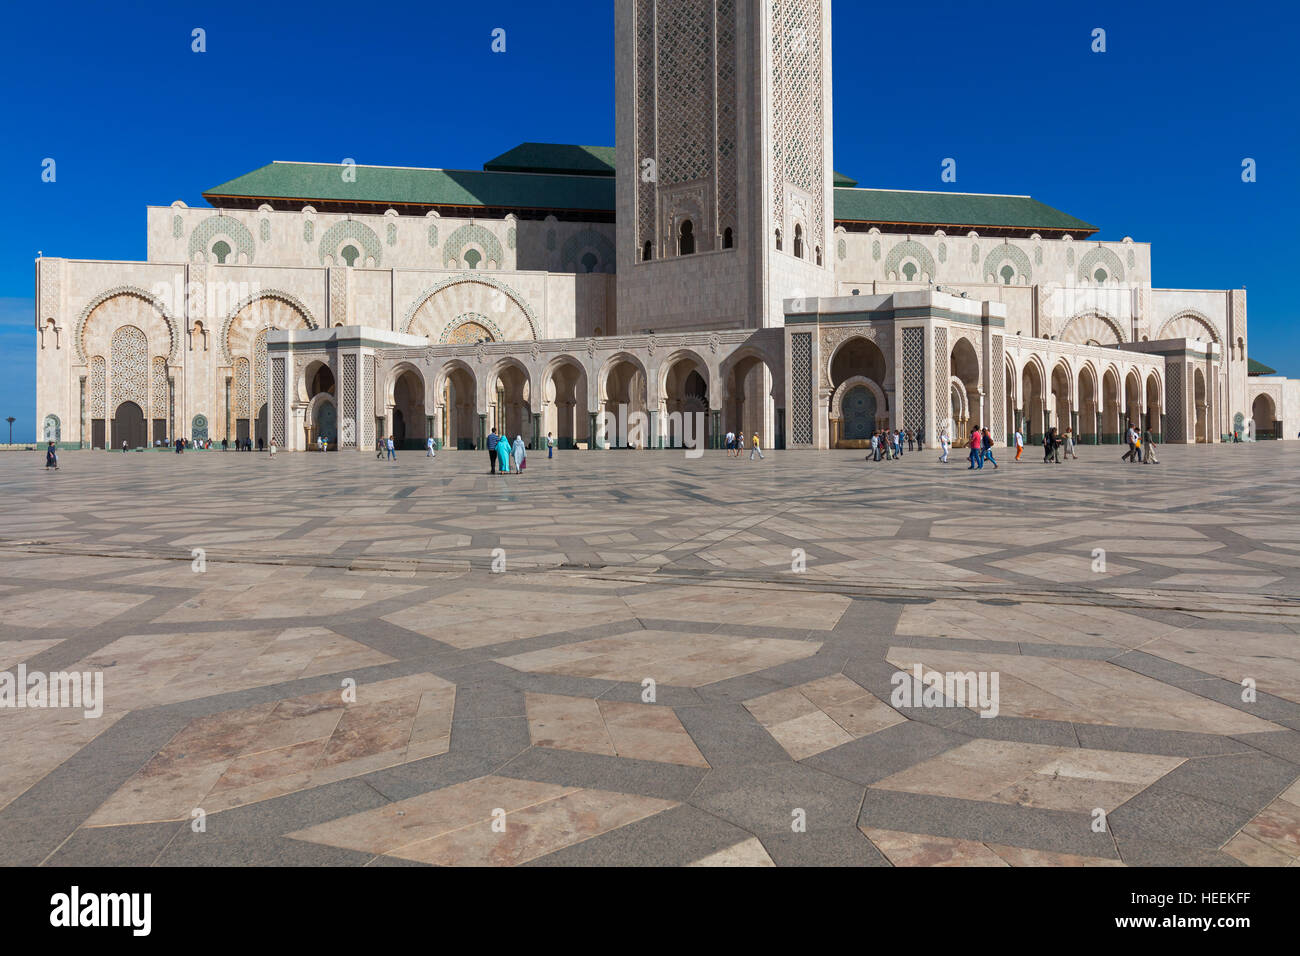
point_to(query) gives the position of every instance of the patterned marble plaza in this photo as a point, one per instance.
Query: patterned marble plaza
(334, 660)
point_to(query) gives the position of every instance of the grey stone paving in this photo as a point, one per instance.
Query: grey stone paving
(635, 658)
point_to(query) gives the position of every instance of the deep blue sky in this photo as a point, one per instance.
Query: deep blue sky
(1145, 140)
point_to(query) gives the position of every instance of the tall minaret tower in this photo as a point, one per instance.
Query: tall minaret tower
(724, 161)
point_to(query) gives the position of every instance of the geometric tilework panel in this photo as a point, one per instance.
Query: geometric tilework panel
(726, 136)
(348, 435)
(798, 143)
(913, 378)
(942, 409)
(645, 118)
(98, 399)
(241, 388)
(1100, 256)
(259, 372)
(475, 235)
(997, 417)
(1176, 395)
(129, 358)
(685, 90)
(159, 387)
(801, 384)
(368, 403)
(1007, 253)
(201, 239)
(349, 229)
(277, 398)
(909, 249)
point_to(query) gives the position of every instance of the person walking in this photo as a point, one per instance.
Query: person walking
(1020, 444)
(1047, 445)
(392, 449)
(976, 459)
(272, 448)
(428, 444)
(731, 442)
(1069, 444)
(503, 455)
(1130, 436)
(875, 447)
(920, 438)
(51, 457)
(754, 448)
(550, 446)
(986, 444)
(945, 443)
(911, 437)
(521, 455)
(1148, 448)
(492, 440)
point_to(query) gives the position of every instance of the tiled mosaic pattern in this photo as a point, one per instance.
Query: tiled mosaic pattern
(651, 679)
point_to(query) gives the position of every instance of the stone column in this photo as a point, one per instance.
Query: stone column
(537, 430)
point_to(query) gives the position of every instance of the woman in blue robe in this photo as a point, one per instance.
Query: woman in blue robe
(503, 454)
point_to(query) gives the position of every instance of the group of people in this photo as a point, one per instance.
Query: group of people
(889, 445)
(736, 444)
(502, 454)
(1141, 447)
(981, 449)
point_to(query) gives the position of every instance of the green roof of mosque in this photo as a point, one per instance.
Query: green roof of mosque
(572, 160)
(1258, 368)
(964, 210)
(392, 186)
(550, 176)
(555, 158)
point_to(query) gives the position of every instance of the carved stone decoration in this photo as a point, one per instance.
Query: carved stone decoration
(535, 350)
(591, 348)
(480, 353)
(650, 345)
(715, 342)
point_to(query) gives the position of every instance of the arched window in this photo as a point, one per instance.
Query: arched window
(727, 239)
(589, 262)
(909, 271)
(221, 249)
(778, 240)
(350, 255)
(819, 255)
(686, 241)
(472, 258)
(798, 242)
(1008, 274)
(1100, 275)
(647, 252)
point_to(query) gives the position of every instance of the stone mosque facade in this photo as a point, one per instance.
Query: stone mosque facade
(712, 267)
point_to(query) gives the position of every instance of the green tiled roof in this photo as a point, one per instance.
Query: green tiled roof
(1258, 368)
(965, 210)
(387, 185)
(555, 158)
(594, 190)
(842, 180)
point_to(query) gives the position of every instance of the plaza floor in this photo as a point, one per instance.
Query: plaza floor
(640, 658)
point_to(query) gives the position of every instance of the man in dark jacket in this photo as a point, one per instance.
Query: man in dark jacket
(492, 440)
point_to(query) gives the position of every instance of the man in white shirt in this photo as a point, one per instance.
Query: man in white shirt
(1020, 444)
(429, 445)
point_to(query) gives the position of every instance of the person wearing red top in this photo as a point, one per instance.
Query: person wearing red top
(976, 459)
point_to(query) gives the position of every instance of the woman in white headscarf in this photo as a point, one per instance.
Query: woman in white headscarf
(520, 455)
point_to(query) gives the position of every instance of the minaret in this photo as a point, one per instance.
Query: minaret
(724, 194)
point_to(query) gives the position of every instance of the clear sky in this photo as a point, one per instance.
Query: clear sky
(1146, 139)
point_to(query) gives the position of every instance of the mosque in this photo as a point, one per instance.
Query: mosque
(712, 264)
